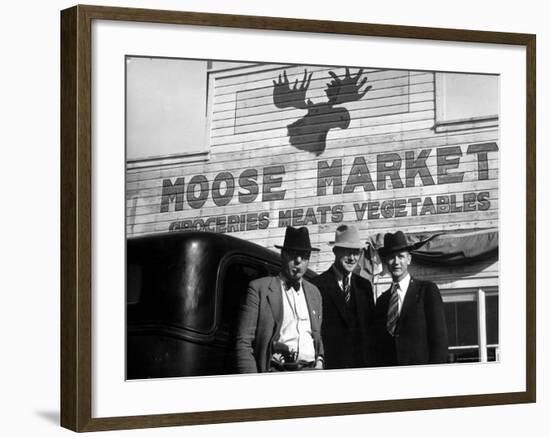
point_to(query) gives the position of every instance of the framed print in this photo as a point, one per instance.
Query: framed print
(257, 212)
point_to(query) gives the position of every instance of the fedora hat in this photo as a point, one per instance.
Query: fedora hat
(347, 236)
(297, 239)
(397, 242)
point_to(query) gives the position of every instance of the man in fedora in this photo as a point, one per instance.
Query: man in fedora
(410, 317)
(279, 326)
(348, 305)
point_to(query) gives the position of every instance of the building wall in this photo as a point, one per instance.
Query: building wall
(391, 168)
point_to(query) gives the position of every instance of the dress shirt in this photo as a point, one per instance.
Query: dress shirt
(296, 327)
(340, 277)
(402, 290)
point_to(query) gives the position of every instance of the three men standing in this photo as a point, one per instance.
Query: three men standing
(348, 305)
(287, 323)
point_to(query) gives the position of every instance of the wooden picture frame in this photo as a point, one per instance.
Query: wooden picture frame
(76, 217)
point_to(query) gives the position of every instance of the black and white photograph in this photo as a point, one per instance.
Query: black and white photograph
(292, 218)
(266, 219)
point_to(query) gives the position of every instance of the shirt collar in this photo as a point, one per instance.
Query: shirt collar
(404, 283)
(339, 276)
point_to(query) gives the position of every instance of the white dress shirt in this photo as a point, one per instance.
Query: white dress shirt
(340, 277)
(402, 290)
(296, 327)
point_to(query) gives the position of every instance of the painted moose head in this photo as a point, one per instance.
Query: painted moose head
(310, 132)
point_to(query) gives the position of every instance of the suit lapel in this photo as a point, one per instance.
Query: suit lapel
(312, 306)
(410, 297)
(275, 299)
(360, 302)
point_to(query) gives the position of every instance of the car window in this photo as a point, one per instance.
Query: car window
(233, 284)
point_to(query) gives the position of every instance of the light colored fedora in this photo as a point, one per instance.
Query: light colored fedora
(347, 236)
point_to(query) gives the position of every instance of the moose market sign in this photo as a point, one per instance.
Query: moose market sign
(391, 171)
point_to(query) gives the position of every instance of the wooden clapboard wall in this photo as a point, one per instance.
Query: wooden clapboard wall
(395, 120)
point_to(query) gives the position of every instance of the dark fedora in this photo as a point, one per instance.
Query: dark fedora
(398, 242)
(297, 239)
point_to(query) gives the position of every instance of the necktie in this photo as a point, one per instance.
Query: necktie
(393, 309)
(346, 288)
(293, 284)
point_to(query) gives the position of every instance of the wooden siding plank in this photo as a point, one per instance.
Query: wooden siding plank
(226, 80)
(394, 142)
(392, 123)
(371, 108)
(317, 87)
(232, 84)
(359, 118)
(265, 104)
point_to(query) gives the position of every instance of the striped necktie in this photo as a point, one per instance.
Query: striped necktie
(393, 309)
(346, 288)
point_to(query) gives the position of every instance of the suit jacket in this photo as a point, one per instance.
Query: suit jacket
(346, 344)
(421, 332)
(260, 318)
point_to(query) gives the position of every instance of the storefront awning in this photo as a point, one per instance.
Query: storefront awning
(452, 247)
(440, 248)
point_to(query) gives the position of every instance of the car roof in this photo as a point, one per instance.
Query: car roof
(174, 276)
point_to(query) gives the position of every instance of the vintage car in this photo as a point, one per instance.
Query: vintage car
(183, 295)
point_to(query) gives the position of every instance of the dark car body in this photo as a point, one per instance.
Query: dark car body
(183, 295)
